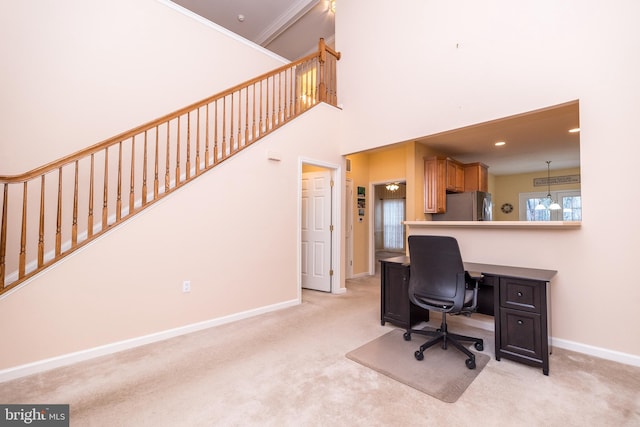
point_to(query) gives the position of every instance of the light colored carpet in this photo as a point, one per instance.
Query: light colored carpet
(288, 368)
(442, 374)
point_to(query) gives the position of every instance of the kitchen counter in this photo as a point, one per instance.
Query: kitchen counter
(497, 224)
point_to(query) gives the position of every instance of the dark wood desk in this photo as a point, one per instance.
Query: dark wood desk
(394, 294)
(520, 306)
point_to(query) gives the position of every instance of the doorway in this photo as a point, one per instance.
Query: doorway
(389, 214)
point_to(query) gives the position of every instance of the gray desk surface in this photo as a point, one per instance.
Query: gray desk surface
(493, 269)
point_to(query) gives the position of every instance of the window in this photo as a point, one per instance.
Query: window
(570, 201)
(571, 206)
(392, 223)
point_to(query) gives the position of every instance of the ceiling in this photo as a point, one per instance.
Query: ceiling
(292, 28)
(530, 140)
(289, 28)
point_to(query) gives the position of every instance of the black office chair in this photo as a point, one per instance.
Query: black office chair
(439, 282)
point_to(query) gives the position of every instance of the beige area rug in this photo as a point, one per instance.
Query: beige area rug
(442, 374)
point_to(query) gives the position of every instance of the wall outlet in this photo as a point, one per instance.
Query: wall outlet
(186, 286)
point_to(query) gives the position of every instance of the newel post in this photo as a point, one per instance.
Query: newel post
(322, 57)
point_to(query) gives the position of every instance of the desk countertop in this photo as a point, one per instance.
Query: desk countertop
(493, 269)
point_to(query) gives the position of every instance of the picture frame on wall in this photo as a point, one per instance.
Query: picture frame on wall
(362, 201)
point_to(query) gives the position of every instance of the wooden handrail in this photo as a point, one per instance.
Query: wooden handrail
(161, 120)
(114, 175)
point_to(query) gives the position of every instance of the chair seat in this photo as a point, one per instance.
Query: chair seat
(446, 305)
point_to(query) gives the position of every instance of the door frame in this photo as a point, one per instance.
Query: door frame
(370, 213)
(337, 281)
(348, 231)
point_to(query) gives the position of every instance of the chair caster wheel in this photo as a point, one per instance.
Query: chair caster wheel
(471, 364)
(418, 354)
(407, 336)
(479, 346)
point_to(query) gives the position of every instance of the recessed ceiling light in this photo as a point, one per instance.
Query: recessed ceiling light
(500, 143)
(574, 130)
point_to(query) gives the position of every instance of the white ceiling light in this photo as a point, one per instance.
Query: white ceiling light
(574, 130)
(500, 143)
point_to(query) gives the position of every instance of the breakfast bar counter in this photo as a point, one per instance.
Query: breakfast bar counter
(497, 224)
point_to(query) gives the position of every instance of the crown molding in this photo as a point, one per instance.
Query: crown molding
(284, 21)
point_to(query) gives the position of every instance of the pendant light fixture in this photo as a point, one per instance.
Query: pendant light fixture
(392, 186)
(553, 205)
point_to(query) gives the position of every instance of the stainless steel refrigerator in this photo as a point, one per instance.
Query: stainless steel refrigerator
(469, 206)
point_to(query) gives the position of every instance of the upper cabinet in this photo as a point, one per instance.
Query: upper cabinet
(476, 177)
(455, 176)
(435, 184)
(444, 175)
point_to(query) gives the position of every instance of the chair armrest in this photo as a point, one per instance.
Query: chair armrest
(473, 279)
(474, 275)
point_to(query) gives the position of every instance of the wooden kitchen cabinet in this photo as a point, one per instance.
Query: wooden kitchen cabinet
(476, 177)
(455, 176)
(435, 184)
(444, 175)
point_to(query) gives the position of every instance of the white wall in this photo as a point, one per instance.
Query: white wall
(418, 67)
(401, 76)
(234, 232)
(75, 73)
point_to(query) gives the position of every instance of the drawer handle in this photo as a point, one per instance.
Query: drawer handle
(520, 322)
(519, 294)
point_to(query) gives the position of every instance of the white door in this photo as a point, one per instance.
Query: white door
(316, 230)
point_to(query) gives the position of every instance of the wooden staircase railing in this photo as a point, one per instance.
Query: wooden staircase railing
(51, 211)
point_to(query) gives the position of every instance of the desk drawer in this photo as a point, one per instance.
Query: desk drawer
(521, 294)
(521, 334)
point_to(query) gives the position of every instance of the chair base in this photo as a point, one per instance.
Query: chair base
(442, 335)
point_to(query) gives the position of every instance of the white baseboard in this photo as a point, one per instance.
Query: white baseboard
(80, 356)
(603, 353)
(487, 323)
